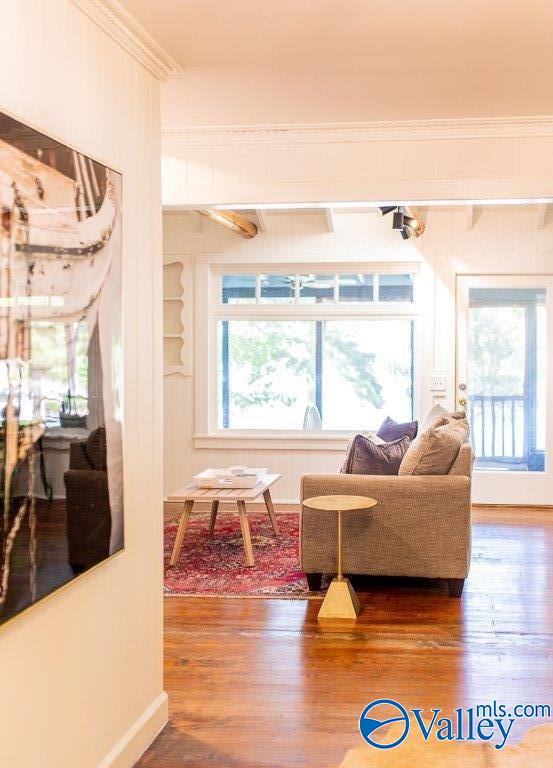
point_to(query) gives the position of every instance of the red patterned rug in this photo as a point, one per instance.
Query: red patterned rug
(215, 565)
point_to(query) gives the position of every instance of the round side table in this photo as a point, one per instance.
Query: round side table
(340, 601)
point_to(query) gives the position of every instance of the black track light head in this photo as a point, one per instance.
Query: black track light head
(409, 221)
(387, 209)
(398, 220)
(406, 233)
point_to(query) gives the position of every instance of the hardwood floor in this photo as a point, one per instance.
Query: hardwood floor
(261, 684)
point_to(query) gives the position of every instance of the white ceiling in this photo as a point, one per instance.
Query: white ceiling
(344, 60)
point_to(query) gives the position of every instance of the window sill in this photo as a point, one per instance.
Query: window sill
(276, 440)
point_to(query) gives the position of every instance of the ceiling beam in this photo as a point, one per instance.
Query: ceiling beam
(233, 221)
(472, 215)
(329, 218)
(542, 215)
(261, 220)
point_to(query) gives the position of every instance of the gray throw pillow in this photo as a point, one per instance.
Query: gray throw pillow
(392, 430)
(363, 457)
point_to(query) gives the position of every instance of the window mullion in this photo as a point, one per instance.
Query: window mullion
(225, 383)
(319, 329)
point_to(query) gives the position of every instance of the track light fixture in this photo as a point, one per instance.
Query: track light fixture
(403, 221)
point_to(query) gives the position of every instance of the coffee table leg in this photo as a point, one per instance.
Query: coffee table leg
(181, 531)
(245, 526)
(270, 510)
(214, 508)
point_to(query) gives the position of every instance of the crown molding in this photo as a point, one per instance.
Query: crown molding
(469, 128)
(122, 27)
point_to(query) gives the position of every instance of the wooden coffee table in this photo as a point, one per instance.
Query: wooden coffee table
(192, 493)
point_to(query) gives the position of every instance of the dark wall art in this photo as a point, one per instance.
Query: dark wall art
(61, 469)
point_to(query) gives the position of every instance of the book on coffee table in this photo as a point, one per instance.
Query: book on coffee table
(230, 477)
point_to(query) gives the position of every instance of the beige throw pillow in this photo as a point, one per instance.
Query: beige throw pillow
(438, 415)
(435, 413)
(461, 425)
(439, 421)
(435, 450)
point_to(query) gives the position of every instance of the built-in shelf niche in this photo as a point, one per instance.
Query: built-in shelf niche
(172, 352)
(172, 321)
(173, 330)
(172, 284)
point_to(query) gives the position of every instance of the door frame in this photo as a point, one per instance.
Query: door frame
(525, 488)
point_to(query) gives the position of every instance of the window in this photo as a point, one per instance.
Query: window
(316, 288)
(356, 287)
(395, 288)
(276, 289)
(267, 373)
(336, 352)
(238, 289)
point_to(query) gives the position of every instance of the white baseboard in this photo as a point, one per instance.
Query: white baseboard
(139, 736)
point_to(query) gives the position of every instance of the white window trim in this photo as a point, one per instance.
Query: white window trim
(210, 310)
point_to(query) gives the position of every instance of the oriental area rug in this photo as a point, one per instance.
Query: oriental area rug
(215, 565)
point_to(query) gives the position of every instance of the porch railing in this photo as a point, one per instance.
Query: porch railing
(498, 428)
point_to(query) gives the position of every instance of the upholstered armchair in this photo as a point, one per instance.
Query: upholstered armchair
(420, 527)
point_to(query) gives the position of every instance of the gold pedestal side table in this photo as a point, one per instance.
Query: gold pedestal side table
(340, 601)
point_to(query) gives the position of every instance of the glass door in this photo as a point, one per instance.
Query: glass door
(503, 367)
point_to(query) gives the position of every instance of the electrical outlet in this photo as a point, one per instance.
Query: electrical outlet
(438, 383)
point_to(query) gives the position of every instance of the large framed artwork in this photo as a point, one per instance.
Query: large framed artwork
(61, 468)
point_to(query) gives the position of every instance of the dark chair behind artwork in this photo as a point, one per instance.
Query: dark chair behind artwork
(87, 502)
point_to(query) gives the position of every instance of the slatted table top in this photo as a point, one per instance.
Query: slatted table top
(192, 493)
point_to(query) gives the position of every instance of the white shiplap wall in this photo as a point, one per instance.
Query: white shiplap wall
(82, 670)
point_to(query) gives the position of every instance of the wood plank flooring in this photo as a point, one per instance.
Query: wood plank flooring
(261, 684)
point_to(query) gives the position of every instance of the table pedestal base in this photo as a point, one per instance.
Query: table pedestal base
(340, 601)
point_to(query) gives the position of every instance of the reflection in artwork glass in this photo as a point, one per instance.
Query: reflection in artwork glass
(60, 365)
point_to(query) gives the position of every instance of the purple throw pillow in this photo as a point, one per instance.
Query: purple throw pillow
(391, 430)
(364, 457)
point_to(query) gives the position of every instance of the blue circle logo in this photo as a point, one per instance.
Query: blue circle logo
(380, 713)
